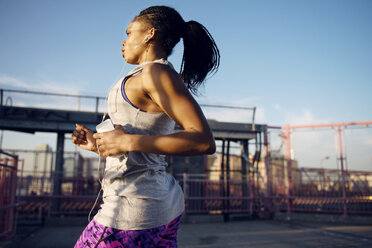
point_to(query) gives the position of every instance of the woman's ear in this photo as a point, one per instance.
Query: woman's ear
(151, 34)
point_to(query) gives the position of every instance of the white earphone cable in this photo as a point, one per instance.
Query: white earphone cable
(99, 155)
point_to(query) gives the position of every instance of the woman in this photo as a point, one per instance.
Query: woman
(142, 204)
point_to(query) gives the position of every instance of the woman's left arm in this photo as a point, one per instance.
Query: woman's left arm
(165, 87)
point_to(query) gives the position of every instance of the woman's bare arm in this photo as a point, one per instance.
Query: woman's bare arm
(167, 90)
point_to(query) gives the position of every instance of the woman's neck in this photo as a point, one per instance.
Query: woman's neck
(152, 54)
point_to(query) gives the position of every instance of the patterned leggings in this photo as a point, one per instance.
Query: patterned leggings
(96, 235)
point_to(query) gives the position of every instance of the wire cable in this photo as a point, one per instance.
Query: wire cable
(99, 154)
(100, 182)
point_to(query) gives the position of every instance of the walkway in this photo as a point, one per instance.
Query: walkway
(237, 234)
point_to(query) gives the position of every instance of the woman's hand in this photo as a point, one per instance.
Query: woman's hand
(83, 137)
(112, 142)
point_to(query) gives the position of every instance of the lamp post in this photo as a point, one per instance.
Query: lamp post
(321, 162)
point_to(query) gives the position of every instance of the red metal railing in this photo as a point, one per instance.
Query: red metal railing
(343, 173)
(8, 185)
(314, 190)
(208, 196)
(77, 196)
(214, 197)
(325, 191)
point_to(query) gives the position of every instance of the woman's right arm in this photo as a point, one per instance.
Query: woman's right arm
(83, 138)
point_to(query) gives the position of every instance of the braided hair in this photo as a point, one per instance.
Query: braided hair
(201, 55)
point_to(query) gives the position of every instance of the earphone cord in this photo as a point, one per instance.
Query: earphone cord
(100, 182)
(103, 118)
(99, 155)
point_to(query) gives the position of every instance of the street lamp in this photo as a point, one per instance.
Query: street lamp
(321, 161)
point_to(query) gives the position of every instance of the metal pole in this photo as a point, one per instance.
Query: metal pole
(1, 97)
(289, 167)
(268, 202)
(185, 181)
(1, 105)
(226, 215)
(251, 188)
(259, 146)
(228, 161)
(78, 105)
(13, 189)
(253, 119)
(97, 103)
(4, 162)
(342, 169)
(1, 138)
(222, 177)
(58, 171)
(244, 157)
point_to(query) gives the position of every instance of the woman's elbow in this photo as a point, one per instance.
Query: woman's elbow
(212, 148)
(209, 146)
(203, 143)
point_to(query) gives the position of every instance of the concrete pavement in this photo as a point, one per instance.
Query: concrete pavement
(265, 234)
(195, 233)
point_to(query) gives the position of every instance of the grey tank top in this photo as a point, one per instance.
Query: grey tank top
(137, 191)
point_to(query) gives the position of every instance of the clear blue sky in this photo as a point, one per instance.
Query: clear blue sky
(298, 62)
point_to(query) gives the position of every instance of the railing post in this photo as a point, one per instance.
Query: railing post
(253, 119)
(78, 104)
(185, 190)
(3, 187)
(342, 170)
(58, 171)
(268, 202)
(227, 205)
(1, 97)
(12, 191)
(97, 103)
(244, 165)
(288, 168)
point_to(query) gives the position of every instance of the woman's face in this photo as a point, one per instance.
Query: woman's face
(133, 48)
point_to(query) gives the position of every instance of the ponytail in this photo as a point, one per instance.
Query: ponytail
(200, 57)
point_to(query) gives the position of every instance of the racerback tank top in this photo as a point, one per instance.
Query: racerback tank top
(137, 191)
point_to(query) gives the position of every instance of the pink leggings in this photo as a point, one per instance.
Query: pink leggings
(97, 235)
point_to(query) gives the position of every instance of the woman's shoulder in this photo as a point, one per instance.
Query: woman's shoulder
(156, 74)
(155, 71)
(158, 68)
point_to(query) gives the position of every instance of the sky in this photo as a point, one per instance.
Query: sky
(296, 61)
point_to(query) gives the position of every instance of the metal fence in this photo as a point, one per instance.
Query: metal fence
(205, 196)
(8, 185)
(78, 185)
(219, 196)
(260, 191)
(315, 190)
(12, 97)
(76, 198)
